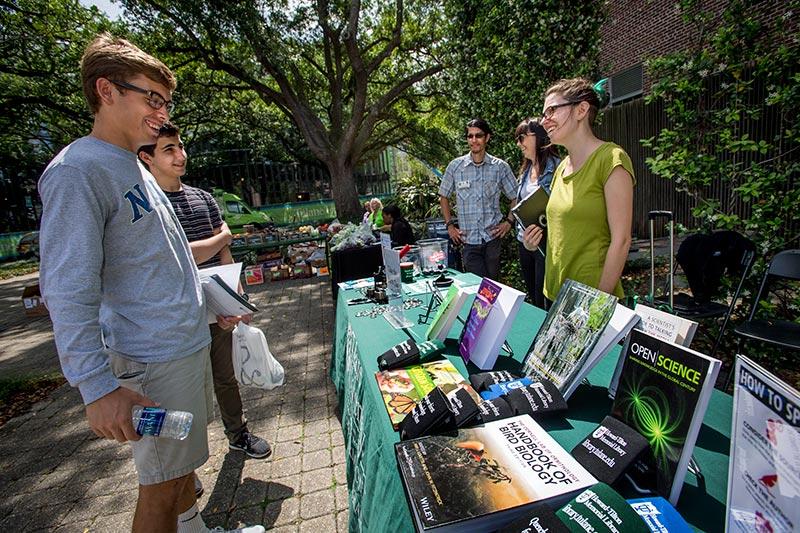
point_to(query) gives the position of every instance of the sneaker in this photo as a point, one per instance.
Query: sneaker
(251, 445)
(198, 487)
(246, 529)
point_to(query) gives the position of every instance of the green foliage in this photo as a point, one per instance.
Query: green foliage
(417, 195)
(740, 75)
(506, 53)
(40, 90)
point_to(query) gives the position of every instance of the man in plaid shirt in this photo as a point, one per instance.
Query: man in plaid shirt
(477, 179)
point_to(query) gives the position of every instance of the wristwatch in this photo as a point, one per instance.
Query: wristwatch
(245, 296)
(449, 223)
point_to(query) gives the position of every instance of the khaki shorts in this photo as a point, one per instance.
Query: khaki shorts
(184, 385)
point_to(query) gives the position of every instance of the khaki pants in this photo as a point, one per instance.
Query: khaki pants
(181, 385)
(226, 388)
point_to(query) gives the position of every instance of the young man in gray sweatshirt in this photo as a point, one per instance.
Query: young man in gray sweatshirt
(120, 283)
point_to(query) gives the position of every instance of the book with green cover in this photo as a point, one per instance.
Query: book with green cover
(446, 314)
(663, 394)
(403, 388)
(483, 478)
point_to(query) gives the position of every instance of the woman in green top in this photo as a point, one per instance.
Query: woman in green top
(376, 218)
(591, 204)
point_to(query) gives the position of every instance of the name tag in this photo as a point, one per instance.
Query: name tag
(461, 185)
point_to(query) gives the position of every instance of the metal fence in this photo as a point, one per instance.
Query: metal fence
(261, 182)
(629, 123)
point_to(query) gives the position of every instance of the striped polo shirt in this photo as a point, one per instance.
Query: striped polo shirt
(198, 214)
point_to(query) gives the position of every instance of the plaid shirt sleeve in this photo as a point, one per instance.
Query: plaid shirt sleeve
(508, 182)
(448, 181)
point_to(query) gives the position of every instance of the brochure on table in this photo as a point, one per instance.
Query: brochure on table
(488, 323)
(391, 267)
(220, 284)
(663, 394)
(764, 471)
(661, 325)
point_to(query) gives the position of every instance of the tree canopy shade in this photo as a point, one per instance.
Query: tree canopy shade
(506, 53)
(350, 75)
(40, 87)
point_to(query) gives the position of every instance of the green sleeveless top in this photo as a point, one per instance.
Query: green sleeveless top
(578, 235)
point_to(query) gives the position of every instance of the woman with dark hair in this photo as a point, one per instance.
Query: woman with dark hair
(401, 230)
(539, 161)
(591, 206)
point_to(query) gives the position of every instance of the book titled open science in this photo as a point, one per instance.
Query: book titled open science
(663, 394)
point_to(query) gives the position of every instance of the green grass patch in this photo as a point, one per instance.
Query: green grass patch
(18, 268)
(17, 395)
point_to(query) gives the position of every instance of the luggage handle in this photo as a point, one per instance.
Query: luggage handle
(652, 215)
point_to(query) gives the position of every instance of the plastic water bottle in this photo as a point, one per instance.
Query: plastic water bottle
(158, 422)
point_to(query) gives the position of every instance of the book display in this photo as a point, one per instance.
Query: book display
(663, 393)
(488, 323)
(661, 325)
(478, 314)
(568, 336)
(403, 388)
(764, 471)
(515, 443)
(482, 478)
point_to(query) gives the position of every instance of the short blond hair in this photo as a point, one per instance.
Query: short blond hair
(119, 60)
(577, 90)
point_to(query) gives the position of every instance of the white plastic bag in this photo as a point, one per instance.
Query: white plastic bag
(253, 363)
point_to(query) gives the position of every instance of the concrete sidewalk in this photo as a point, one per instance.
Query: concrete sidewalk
(55, 475)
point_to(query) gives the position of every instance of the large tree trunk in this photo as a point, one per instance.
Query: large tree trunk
(344, 192)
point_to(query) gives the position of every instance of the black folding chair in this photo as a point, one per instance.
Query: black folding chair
(704, 259)
(783, 333)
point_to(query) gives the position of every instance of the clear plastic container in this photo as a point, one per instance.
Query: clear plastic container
(433, 255)
(412, 256)
(158, 422)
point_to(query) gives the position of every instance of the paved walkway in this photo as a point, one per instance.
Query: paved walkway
(55, 475)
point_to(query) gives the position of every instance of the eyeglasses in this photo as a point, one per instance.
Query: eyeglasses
(521, 137)
(549, 110)
(154, 100)
(476, 135)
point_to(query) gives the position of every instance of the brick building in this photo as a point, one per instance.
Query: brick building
(637, 30)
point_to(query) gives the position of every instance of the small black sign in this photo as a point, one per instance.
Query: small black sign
(538, 518)
(428, 415)
(610, 450)
(404, 354)
(483, 380)
(539, 397)
(464, 408)
(495, 409)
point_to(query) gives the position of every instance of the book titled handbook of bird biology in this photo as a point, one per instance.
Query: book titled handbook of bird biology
(482, 478)
(561, 350)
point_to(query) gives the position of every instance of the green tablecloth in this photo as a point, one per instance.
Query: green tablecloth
(377, 501)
